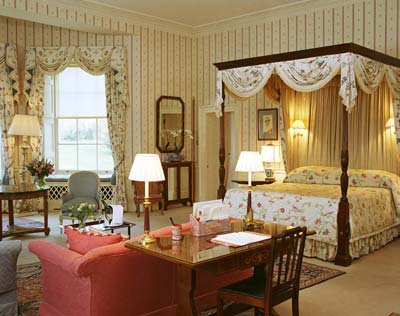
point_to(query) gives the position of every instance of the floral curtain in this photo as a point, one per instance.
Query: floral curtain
(111, 61)
(8, 97)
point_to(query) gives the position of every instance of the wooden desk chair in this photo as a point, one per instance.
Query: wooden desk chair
(274, 285)
(155, 192)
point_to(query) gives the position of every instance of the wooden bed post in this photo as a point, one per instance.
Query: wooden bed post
(343, 257)
(221, 188)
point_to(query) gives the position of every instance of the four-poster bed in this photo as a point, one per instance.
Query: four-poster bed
(309, 70)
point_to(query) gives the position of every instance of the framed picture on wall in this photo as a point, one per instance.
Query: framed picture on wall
(267, 124)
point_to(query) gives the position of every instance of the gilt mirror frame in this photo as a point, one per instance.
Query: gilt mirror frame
(158, 122)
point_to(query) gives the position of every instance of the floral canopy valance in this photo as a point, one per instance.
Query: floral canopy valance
(111, 61)
(311, 74)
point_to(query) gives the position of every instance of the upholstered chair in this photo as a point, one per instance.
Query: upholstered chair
(9, 251)
(156, 195)
(83, 187)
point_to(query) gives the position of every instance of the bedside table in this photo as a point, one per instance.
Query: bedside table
(255, 182)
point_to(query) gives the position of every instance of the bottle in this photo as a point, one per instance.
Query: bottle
(107, 212)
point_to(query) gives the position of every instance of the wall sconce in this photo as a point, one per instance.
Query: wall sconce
(298, 128)
(390, 124)
(270, 154)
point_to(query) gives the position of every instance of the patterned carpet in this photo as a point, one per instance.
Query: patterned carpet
(30, 284)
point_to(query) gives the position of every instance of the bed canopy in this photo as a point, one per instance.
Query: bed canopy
(306, 71)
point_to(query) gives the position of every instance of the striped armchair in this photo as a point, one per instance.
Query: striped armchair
(9, 251)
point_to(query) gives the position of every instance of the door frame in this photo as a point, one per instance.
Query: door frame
(234, 109)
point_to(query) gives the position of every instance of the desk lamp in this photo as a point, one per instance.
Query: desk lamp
(24, 125)
(146, 168)
(249, 161)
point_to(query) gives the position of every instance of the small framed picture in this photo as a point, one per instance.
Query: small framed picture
(268, 124)
(269, 173)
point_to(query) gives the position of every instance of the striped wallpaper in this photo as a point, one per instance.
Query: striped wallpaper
(172, 61)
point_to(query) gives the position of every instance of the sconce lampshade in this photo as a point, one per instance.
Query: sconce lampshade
(390, 122)
(147, 168)
(270, 153)
(24, 125)
(298, 127)
(249, 161)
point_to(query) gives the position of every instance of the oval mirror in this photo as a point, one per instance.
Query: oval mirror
(170, 124)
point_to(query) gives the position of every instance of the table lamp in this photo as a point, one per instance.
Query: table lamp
(298, 128)
(249, 161)
(146, 168)
(270, 154)
(24, 125)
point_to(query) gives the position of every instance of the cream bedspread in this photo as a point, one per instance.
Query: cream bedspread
(374, 210)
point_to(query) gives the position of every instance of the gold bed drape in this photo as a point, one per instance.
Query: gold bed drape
(371, 144)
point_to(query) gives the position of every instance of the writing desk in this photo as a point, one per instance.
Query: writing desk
(11, 193)
(198, 253)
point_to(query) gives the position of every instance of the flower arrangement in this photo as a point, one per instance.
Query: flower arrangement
(170, 135)
(82, 211)
(40, 168)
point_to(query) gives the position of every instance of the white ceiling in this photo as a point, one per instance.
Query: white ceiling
(194, 12)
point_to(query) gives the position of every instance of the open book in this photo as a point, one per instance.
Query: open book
(239, 239)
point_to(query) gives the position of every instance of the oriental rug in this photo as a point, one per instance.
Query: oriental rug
(30, 289)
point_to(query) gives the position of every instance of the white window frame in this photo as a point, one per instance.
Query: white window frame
(56, 94)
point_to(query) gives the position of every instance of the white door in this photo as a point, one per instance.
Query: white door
(212, 153)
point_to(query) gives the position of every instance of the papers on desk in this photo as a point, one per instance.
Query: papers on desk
(239, 239)
(118, 215)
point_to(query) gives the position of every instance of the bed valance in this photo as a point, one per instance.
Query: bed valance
(113, 63)
(311, 74)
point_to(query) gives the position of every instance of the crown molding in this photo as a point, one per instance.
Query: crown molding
(137, 19)
(301, 7)
(130, 22)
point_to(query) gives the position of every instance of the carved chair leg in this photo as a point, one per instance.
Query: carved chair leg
(160, 207)
(295, 305)
(220, 306)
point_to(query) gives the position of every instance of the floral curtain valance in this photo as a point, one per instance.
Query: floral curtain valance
(310, 74)
(111, 61)
(9, 94)
(8, 62)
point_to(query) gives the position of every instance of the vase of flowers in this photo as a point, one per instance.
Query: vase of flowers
(40, 168)
(82, 212)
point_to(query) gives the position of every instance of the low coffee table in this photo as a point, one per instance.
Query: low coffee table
(99, 226)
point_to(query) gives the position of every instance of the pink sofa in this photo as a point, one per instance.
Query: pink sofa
(113, 280)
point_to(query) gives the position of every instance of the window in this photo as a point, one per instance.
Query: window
(75, 125)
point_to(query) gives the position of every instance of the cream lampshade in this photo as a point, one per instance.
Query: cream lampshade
(390, 124)
(24, 125)
(298, 127)
(146, 168)
(249, 161)
(270, 154)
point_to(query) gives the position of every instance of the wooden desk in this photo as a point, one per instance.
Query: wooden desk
(199, 253)
(11, 193)
(178, 183)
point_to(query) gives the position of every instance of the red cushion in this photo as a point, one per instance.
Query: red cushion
(83, 242)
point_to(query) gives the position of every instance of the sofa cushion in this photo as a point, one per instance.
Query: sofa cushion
(83, 242)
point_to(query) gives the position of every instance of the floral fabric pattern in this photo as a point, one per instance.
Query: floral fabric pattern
(8, 97)
(316, 206)
(308, 74)
(357, 178)
(111, 61)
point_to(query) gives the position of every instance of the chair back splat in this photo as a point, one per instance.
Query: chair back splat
(273, 283)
